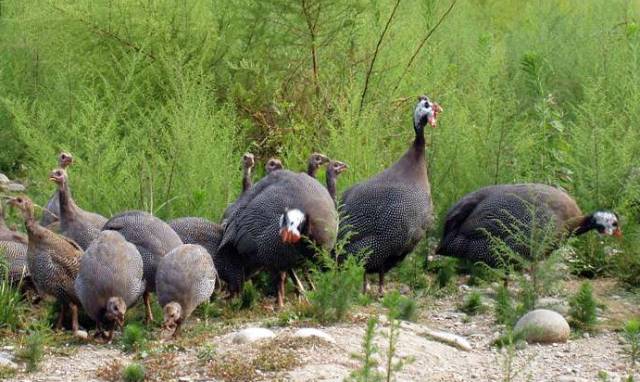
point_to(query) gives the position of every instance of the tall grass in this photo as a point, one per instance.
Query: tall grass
(158, 100)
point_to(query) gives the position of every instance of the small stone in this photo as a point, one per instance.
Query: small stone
(6, 361)
(543, 326)
(312, 332)
(81, 334)
(585, 335)
(251, 335)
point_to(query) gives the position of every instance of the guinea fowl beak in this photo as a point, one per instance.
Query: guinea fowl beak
(617, 232)
(433, 119)
(289, 237)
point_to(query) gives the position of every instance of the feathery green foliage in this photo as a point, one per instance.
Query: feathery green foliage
(134, 337)
(583, 307)
(133, 373)
(472, 304)
(33, 351)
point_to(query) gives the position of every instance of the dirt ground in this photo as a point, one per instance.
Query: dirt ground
(582, 358)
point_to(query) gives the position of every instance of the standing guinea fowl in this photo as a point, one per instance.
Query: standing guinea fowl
(7, 234)
(110, 280)
(15, 256)
(388, 215)
(186, 278)
(316, 160)
(266, 229)
(511, 213)
(153, 238)
(75, 223)
(200, 231)
(51, 213)
(53, 261)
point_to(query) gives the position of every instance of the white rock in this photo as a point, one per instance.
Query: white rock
(81, 334)
(6, 361)
(543, 326)
(249, 335)
(4, 178)
(312, 332)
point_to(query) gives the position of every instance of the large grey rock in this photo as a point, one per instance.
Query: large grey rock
(312, 332)
(249, 335)
(543, 326)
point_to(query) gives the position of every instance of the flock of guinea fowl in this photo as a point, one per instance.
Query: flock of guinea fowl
(105, 265)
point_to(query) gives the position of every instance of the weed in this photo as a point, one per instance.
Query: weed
(11, 305)
(504, 310)
(472, 304)
(206, 353)
(368, 371)
(583, 308)
(33, 351)
(134, 337)
(7, 372)
(445, 269)
(631, 336)
(134, 372)
(400, 307)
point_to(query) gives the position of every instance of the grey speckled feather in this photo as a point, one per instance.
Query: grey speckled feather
(251, 237)
(153, 238)
(186, 275)
(194, 230)
(15, 255)
(111, 267)
(390, 213)
(492, 210)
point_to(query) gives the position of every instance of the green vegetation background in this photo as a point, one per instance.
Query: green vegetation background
(157, 100)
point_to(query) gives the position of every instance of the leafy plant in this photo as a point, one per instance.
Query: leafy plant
(33, 351)
(133, 373)
(583, 307)
(134, 337)
(368, 370)
(472, 304)
(400, 307)
(631, 336)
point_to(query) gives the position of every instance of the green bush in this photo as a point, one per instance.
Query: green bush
(583, 308)
(338, 288)
(504, 310)
(472, 304)
(133, 373)
(631, 336)
(134, 337)
(11, 305)
(400, 307)
(33, 351)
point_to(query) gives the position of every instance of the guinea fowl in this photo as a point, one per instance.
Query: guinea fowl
(266, 228)
(51, 212)
(388, 215)
(248, 162)
(7, 234)
(316, 160)
(511, 214)
(14, 255)
(334, 169)
(75, 223)
(273, 164)
(53, 262)
(110, 281)
(193, 230)
(186, 278)
(152, 237)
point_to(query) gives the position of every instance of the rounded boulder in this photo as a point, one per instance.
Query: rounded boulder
(543, 326)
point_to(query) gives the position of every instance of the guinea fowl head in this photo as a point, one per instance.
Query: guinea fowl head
(248, 160)
(24, 204)
(316, 160)
(65, 160)
(291, 225)
(58, 176)
(115, 310)
(272, 165)
(172, 317)
(426, 112)
(606, 223)
(337, 167)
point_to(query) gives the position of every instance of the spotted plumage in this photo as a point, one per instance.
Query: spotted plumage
(193, 230)
(186, 277)
(14, 255)
(152, 237)
(110, 269)
(252, 237)
(512, 213)
(390, 213)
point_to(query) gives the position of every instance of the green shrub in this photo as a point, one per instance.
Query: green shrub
(368, 371)
(33, 351)
(583, 307)
(133, 373)
(472, 304)
(445, 270)
(400, 307)
(504, 310)
(631, 336)
(134, 337)
(338, 288)
(11, 305)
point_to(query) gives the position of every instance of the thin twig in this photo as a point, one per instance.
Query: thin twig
(424, 41)
(375, 56)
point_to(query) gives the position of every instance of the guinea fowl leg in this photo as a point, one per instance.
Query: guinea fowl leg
(147, 304)
(307, 277)
(74, 317)
(60, 320)
(283, 278)
(296, 281)
(365, 284)
(381, 284)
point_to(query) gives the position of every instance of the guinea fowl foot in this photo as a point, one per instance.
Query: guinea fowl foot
(381, 285)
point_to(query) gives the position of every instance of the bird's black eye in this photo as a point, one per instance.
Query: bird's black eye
(615, 224)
